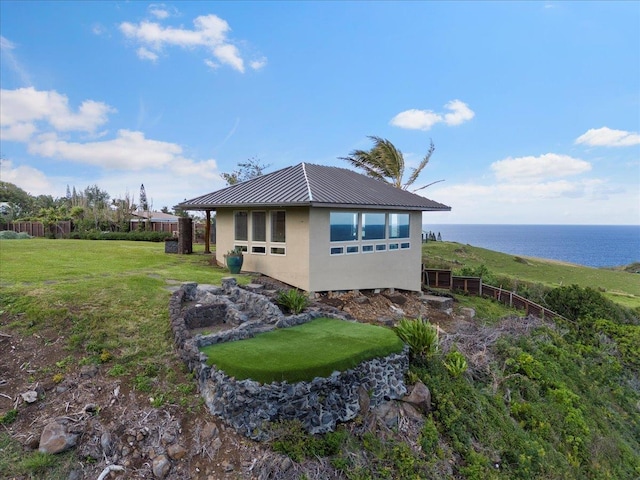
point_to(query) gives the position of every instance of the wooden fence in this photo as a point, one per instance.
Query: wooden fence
(37, 229)
(437, 278)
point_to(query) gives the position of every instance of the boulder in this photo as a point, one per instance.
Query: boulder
(56, 438)
(419, 397)
(161, 466)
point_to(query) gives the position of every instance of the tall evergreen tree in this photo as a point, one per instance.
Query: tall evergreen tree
(144, 204)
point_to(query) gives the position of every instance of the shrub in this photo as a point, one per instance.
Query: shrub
(420, 335)
(455, 363)
(11, 235)
(292, 300)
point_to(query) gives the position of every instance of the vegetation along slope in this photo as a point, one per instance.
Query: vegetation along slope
(511, 397)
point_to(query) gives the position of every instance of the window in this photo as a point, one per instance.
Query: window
(373, 226)
(398, 225)
(352, 249)
(393, 246)
(404, 245)
(344, 226)
(337, 250)
(278, 226)
(259, 226)
(278, 251)
(367, 248)
(240, 225)
(257, 249)
(381, 247)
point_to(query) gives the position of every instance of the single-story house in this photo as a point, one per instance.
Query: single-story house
(321, 228)
(157, 221)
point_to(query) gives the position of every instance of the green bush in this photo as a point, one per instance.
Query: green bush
(455, 363)
(420, 335)
(11, 235)
(292, 300)
(138, 236)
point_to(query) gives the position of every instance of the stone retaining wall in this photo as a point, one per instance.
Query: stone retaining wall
(249, 406)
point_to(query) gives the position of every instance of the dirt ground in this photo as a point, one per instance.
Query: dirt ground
(118, 426)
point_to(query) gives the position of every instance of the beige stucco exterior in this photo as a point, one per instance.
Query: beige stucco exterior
(307, 262)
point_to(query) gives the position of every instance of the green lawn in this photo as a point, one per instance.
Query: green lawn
(314, 349)
(619, 286)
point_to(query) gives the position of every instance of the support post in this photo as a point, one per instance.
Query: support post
(207, 233)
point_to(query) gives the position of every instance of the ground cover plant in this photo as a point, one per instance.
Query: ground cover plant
(314, 349)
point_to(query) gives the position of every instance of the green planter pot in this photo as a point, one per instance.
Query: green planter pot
(234, 263)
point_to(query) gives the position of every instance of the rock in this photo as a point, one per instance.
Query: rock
(468, 312)
(396, 298)
(397, 311)
(441, 303)
(420, 397)
(410, 412)
(227, 466)
(161, 466)
(388, 413)
(105, 442)
(210, 430)
(29, 396)
(364, 400)
(176, 451)
(88, 371)
(362, 300)
(55, 438)
(75, 475)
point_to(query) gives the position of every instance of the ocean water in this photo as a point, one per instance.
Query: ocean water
(589, 245)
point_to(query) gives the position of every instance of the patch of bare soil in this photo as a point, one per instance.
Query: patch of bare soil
(115, 425)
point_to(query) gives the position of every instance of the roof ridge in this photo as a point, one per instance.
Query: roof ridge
(306, 181)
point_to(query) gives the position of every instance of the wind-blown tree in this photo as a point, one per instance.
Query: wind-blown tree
(252, 168)
(386, 163)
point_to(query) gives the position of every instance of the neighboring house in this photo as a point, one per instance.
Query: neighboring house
(322, 228)
(157, 221)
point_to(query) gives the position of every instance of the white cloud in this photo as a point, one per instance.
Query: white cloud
(35, 181)
(607, 137)
(415, 119)
(20, 109)
(146, 54)
(6, 50)
(159, 11)
(258, 64)
(530, 168)
(209, 32)
(460, 113)
(128, 151)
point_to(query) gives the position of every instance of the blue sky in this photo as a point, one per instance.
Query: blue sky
(533, 107)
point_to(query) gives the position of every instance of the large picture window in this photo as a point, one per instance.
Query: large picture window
(373, 225)
(278, 226)
(259, 226)
(344, 226)
(398, 225)
(240, 226)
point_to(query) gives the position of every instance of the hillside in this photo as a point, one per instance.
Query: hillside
(85, 326)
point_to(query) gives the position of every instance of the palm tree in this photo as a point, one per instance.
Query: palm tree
(385, 162)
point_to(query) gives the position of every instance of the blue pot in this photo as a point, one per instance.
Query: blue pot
(234, 263)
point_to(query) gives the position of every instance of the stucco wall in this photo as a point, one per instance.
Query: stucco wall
(389, 269)
(308, 250)
(291, 268)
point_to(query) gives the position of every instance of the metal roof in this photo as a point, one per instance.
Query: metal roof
(312, 185)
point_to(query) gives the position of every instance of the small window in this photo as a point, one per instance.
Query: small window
(278, 250)
(381, 247)
(352, 249)
(373, 225)
(337, 250)
(367, 248)
(344, 226)
(259, 226)
(240, 226)
(398, 225)
(241, 247)
(278, 226)
(258, 249)
(393, 246)
(404, 245)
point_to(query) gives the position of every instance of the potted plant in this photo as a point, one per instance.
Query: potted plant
(234, 259)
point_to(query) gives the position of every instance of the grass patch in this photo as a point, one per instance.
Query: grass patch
(314, 349)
